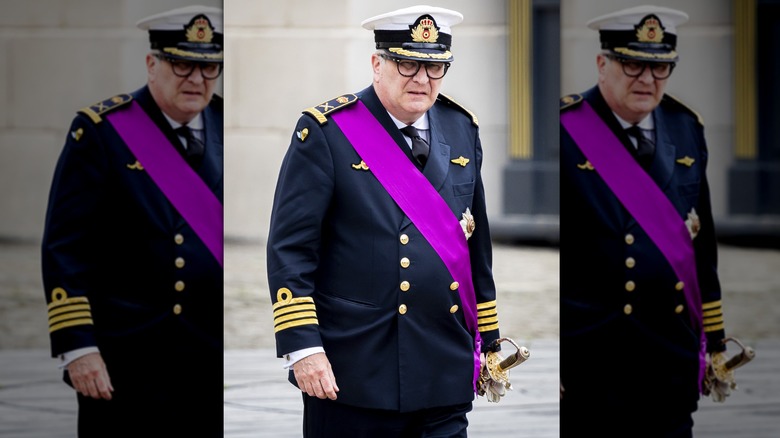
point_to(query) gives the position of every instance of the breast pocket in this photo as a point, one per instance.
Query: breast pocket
(463, 189)
(689, 192)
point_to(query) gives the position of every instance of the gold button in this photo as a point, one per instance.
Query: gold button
(630, 262)
(179, 286)
(405, 262)
(402, 309)
(679, 309)
(630, 286)
(627, 309)
(630, 239)
(404, 239)
(179, 239)
(454, 308)
(679, 286)
(455, 285)
(405, 286)
(179, 262)
(177, 309)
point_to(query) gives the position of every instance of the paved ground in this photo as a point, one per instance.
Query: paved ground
(259, 403)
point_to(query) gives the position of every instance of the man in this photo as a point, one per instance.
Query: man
(640, 295)
(132, 249)
(379, 252)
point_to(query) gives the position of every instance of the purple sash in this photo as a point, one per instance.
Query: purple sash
(415, 195)
(168, 169)
(642, 197)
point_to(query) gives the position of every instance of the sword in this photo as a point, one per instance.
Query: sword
(719, 379)
(494, 376)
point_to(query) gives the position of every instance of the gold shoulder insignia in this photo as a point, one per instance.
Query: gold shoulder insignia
(686, 107)
(570, 101)
(320, 111)
(449, 101)
(96, 111)
(686, 160)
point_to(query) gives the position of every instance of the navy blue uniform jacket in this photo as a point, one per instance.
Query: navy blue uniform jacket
(362, 281)
(625, 328)
(127, 272)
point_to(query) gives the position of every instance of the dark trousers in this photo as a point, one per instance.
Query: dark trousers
(167, 383)
(329, 419)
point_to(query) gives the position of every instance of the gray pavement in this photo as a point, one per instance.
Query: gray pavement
(259, 403)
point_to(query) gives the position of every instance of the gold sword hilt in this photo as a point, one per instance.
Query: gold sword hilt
(746, 355)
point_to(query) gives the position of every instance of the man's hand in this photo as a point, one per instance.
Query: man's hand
(89, 376)
(315, 376)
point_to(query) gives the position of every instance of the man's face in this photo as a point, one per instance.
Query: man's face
(406, 98)
(632, 98)
(181, 98)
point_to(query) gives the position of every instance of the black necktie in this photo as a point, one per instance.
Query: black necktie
(195, 147)
(645, 147)
(419, 146)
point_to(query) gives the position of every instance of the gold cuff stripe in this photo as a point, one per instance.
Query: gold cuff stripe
(483, 321)
(68, 301)
(70, 315)
(66, 324)
(488, 328)
(489, 312)
(179, 52)
(295, 308)
(710, 321)
(299, 315)
(711, 305)
(487, 305)
(713, 328)
(296, 323)
(70, 308)
(712, 312)
(301, 300)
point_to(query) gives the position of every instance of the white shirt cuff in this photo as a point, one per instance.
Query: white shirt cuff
(70, 356)
(295, 356)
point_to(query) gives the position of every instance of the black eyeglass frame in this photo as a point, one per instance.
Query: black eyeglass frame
(624, 61)
(419, 64)
(180, 62)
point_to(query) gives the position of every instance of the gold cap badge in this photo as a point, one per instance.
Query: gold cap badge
(425, 30)
(200, 30)
(650, 30)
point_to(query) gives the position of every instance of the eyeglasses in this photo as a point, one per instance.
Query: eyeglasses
(408, 68)
(634, 69)
(183, 69)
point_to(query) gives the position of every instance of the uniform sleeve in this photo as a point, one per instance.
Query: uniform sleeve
(303, 193)
(67, 253)
(705, 247)
(481, 253)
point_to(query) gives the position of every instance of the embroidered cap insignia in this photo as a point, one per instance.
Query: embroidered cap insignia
(650, 30)
(200, 30)
(425, 31)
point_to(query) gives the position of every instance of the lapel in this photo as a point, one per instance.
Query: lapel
(211, 170)
(662, 168)
(439, 156)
